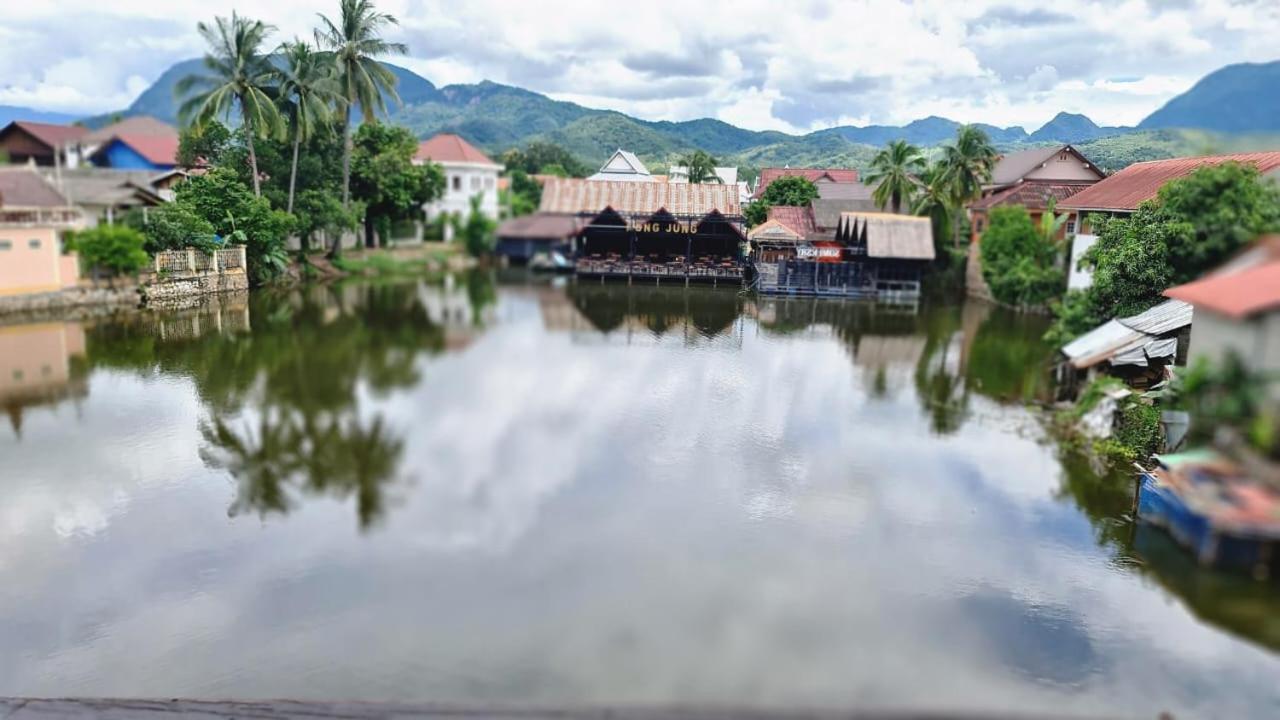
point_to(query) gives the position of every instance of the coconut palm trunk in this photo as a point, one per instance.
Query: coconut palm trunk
(293, 173)
(253, 155)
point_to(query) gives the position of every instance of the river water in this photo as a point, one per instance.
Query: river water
(519, 492)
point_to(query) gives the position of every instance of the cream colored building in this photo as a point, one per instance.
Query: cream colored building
(34, 217)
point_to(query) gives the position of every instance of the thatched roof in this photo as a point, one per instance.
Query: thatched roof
(886, 235)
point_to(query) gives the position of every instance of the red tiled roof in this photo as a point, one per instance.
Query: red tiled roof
(799, 219)
(48, 133)
(1136, 184)
(1235, 294)
(835, 175)
(575, 196)
(156, 149)
(447, 147)
(1032, 194)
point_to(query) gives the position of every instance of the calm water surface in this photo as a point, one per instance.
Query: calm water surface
(473, 491)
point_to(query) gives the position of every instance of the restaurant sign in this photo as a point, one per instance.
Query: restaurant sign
(809, 252)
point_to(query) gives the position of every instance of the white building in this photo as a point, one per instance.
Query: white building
(727, 175)
(467, 173)
(624, 166)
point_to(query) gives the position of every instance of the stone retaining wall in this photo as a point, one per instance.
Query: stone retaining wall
(80, 297)
(178, 287)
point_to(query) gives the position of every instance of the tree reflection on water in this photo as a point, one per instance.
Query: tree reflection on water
(282, 392)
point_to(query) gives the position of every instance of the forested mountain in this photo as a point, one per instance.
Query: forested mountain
(1241, 98)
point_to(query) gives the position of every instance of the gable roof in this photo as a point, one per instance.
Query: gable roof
(813, 175)
(577, 196)
(1013, 167)
(776, 231)
(540, 226)
(625, 166)
(107, 186)
(23, 187)
(1134, 185)
(134, 126)
(451, 148)
(903, 237)
(155, 149)
(1032, 194)
(48, 134)
(799, 219)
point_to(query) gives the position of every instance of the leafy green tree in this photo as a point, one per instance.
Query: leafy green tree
(894, 172)
(222, 199)
(967, 164)
(174, 226)
(476, 231)
(203, 146)
(386, 179)
(787, 191)
(356, 44)
(320, 211)
(701, 167)
(307, 87)
(544, 158)
(114, 248)
(790, 191)
(238, 78)
(525, 193)
(1018, 262)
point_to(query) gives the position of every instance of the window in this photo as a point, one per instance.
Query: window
(475, 183)
(1071, 226)
(6, 245)
(33, 243)
(1064, 157)
(488, 183)
(17, 375)
(457, 182)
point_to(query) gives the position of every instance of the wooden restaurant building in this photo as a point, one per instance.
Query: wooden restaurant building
(652, 231)
(866, 255)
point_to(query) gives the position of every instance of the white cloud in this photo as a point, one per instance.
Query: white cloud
(808, 66)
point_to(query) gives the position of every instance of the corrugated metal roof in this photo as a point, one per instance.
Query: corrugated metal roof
(1166, 317)
(774, 231)
(576, 196)
(1236, 294)
(814, 175)
(903, 237)
(1124, 336)
(1139, 182)
(799, 219)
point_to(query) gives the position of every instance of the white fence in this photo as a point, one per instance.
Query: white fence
(195, 261)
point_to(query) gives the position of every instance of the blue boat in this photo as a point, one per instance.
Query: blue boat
(1224, 518)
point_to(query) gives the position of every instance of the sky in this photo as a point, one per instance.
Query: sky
(797, 66)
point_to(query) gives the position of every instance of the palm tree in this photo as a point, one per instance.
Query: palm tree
(306, 88)
(239, 77)
(356, 44)
(701, 167)
(967, 164)
(934, 200)
(895, 169)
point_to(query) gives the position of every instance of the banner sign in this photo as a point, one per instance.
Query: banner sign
(809, 252)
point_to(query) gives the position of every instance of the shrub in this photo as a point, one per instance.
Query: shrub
(113, 248)
(175, 226)
(1019, 263)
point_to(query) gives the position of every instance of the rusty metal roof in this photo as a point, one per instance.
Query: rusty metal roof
(1134, 185)
(576, 196)
(798, 219)
(814, 175)
(49, 134)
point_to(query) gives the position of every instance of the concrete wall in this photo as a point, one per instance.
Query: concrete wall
(31, 261)
(1080, 279)
(1256, 340)
(36, 358)
(462, 182)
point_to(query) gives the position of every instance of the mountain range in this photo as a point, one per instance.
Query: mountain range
(1234, 99)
